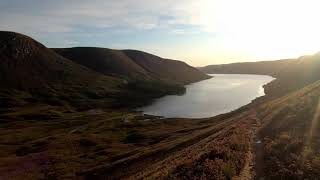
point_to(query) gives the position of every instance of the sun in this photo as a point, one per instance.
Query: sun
(263, 29)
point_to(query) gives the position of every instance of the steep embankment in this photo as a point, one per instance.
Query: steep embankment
(133, 65)
(291, 74)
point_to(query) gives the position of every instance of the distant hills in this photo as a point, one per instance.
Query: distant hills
(291, 74)
(31, 72)
(132, 64)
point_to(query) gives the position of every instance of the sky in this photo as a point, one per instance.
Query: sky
(199, 32)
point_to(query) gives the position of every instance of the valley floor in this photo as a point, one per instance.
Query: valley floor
(43, 142)
(51, 142)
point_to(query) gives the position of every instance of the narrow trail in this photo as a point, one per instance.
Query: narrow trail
(259, 158)
(258, 153)
(249, 170)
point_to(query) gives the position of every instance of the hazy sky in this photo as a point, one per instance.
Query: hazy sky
(199, 32)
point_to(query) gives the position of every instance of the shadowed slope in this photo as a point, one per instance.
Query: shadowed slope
(166, 69)
(133, 65)
(27, 67)
(106, 61)
(27, 64)
(30, 72)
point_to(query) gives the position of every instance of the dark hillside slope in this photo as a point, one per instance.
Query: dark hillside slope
(133, 65)
(166, 69)
(30, 72)
(106, 61)
(28, 66)
(291, 74)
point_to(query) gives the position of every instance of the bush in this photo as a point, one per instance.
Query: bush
(229, 171)
(133, 137)
(87, 142)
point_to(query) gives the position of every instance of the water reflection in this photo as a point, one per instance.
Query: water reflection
(221, 94)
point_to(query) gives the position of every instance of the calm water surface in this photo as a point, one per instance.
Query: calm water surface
(220, 94)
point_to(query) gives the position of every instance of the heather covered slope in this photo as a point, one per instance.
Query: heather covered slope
(290, 134)
(27, 64)
(30, 72)
(133, 65)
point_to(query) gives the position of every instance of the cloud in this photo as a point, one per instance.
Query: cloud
(229, 28)
(65, 16)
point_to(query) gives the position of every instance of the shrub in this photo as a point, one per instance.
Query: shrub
(133, 137)
(87, 142)
(229, 171)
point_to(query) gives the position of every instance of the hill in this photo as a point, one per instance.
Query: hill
(133, 65)
(33, 73)
(291, 74)
(166, 69)
(27, 64)
(106, 61)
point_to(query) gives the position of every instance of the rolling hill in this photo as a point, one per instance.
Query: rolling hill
(133, 65)
(27, 64)
(31, 72)
(166, 69)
